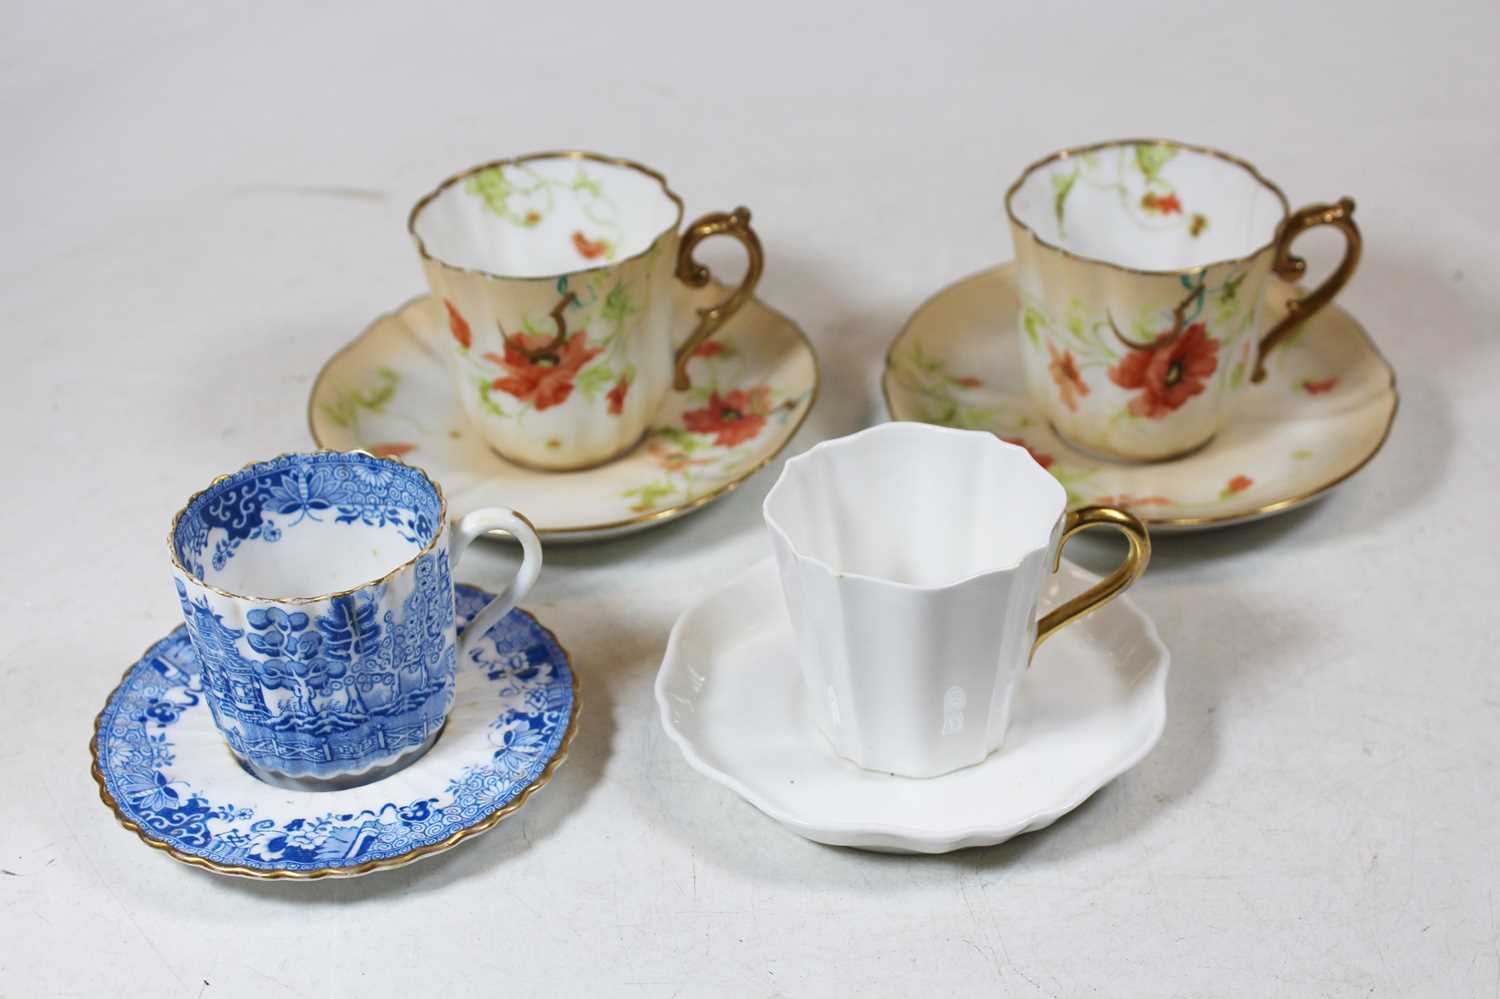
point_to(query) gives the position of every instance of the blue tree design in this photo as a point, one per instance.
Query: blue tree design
(351, 637)
(293, 662)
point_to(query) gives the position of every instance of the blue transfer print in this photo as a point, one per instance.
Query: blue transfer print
(519, 668)
(325, 688)
(263, 501)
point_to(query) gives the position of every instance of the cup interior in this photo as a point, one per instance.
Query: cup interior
(1155, 206)
(305, 525)
(915, 504)
(544, 216)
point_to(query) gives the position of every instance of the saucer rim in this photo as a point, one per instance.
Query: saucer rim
(1169, 524)
(384, 863)
(614, 528)
(909, 839)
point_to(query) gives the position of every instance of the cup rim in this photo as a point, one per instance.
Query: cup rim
(1062, 154)
(908, 426)
(437, 534)
(555, 154)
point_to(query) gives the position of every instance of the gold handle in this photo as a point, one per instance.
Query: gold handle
(1112, 585)
(1291, 267)
(736, 224)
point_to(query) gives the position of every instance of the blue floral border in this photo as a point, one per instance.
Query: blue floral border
(528, 669)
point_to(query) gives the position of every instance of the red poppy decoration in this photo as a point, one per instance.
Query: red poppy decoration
(589, 249)
(1045, 460)
(968, 381)
(733, 418)
(1162, 204)
(542, 377)
(1169, 373)
(394, 449)
(1238, 484)
(459, 326)
(1318, 388)
(616, 395)
(708, 348)
(1065, 374)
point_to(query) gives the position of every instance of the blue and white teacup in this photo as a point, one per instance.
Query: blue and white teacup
(341, 669)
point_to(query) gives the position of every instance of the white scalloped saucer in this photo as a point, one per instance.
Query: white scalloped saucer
(1091, 707)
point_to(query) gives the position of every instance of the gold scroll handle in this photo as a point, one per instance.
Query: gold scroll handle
(1112, 585)
(736, 224)
(1291, 267)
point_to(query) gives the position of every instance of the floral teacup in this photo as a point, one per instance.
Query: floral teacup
(558, 273)
(342, 670)
(1141, 265)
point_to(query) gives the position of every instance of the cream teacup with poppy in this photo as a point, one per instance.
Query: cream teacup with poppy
(561, 275)
(1142, 265)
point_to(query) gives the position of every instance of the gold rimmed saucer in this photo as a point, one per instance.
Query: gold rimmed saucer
(164, 770)
(1322, 413)
(390, 392)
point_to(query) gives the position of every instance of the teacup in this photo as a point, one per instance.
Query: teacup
(1142, 266)
(340, 670)
(562, 275)
(912, 557)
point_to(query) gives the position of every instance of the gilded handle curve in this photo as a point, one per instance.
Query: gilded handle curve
(1112, 585)
(1290, 267)
(737, 225)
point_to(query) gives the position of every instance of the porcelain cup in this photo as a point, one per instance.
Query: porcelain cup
(339, 669)
(562, 276)
(1142, 266)
(912, 558)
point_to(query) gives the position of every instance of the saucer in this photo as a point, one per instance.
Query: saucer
(164, 770)
(1325, 408)
(730, 693)
(390, 392)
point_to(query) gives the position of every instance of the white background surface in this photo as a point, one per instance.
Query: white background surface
(200, 206)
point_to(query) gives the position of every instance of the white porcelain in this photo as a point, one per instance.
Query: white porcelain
(912, 557)
(1142, 266)
(730, 695)
(389, 392)
(561, 275)
(1324, 410)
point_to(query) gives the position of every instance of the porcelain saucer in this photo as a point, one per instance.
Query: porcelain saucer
(390, 393)
(164, 770)
(730, 694)
(1323, 412)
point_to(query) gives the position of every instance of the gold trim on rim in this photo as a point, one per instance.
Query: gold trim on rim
(1227, 520)
(1010, 192)
(442, 527)
(559, 154)
(384, 863)
(580, 533)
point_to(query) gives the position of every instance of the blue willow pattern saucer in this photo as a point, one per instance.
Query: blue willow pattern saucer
(163, 768)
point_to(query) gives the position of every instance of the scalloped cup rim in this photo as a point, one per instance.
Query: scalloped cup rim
(922, 429)
(1062, 154)
(439, 527)
(442, 186)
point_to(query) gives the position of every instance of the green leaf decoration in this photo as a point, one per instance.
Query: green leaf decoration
(617, 304)
(583, 182)
(1033, 321)
(488, 403)
(649, 496)
(491, 187)
(1061, 185)
(1301, 454)
(1150, 160)
(1237, 377)
(594, 379)
(344, 410)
